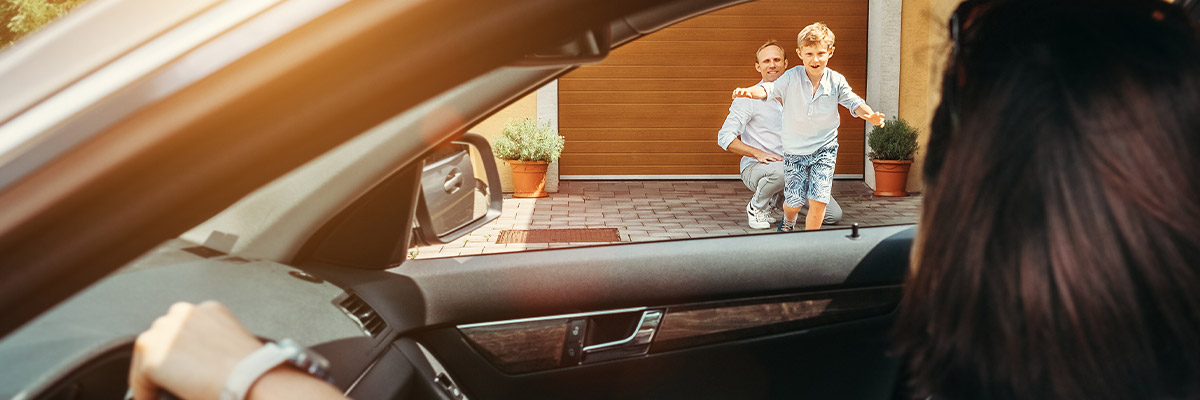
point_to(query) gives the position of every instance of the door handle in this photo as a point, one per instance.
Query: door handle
(636, 344)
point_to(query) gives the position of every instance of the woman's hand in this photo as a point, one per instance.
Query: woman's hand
(189, 352)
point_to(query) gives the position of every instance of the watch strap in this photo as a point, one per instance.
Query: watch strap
(306, 360)
(253, 367)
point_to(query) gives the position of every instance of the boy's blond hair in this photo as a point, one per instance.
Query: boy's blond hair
(815, 34)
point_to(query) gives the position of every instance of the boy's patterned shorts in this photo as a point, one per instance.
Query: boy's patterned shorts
(809, 177)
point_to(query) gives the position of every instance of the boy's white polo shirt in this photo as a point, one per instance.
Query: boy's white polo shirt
(810, 121)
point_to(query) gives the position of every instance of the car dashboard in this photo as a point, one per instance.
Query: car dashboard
(82, 348)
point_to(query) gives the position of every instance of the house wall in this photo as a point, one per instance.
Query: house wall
(883, 68)
(526, 107)
(923, 51)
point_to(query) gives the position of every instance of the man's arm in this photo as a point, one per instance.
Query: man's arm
(742, 149)
(740, 113)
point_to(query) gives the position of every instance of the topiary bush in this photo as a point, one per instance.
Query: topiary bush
(896, 140)
(526, 140)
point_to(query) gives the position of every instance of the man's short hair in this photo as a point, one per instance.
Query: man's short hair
(814, 35)
(769, 43)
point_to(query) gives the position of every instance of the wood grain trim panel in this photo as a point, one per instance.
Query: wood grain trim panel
(708, 323)
(520, 347)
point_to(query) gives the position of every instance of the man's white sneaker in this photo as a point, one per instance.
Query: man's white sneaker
(758, 219)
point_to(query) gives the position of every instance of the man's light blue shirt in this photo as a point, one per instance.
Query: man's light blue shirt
(758, 122)
(810, 121)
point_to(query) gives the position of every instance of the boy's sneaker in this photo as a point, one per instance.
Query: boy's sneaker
(786, 226)
(758, 219)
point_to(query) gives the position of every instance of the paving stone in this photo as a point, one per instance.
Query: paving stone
(660, 210)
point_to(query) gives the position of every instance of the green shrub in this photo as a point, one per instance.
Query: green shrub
(526, 140)
(896, 140)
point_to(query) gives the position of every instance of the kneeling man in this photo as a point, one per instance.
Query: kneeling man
(752, 130)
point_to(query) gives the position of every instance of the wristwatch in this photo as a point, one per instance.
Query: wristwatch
(270, 356)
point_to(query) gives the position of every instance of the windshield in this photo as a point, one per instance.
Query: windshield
(655, 148)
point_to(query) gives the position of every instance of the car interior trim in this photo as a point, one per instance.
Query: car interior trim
(642, 333)
(551, 317)
(636, 344)
(706, 323)
(807, 363)
(441, 375)
(670, 13)
(364, 373)
(652, 273)
(101, 376)
(361, 313)
(521, 347)
(538, 344)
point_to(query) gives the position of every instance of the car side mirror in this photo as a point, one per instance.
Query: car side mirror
(460, 191)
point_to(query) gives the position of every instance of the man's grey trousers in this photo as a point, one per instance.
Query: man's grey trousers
(766, 180)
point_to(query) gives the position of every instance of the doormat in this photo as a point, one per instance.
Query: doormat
(559, 235)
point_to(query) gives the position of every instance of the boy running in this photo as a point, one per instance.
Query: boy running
(810, 97)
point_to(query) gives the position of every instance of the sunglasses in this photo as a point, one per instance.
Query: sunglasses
(961, 20)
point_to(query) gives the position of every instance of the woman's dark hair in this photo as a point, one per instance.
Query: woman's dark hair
(1059, 242)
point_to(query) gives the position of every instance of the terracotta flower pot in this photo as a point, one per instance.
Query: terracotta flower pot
(529, 178)
(891, 177)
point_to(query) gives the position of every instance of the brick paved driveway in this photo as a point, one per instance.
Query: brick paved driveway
(657, 210)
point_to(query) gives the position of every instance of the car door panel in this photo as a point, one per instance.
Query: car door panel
(795, 315)
(549, 282)
(841, 361)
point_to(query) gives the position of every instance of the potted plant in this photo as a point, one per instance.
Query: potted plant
(529, 148)
(892, 148)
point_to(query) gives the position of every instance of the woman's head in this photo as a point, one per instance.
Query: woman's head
(1062, 215)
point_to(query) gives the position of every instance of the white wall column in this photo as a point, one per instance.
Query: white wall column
(883, 67)
(547, 112)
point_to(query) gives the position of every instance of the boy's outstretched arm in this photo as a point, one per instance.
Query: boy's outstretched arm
(865, 112)
(753, 92)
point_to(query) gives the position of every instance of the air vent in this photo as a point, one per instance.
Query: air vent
(362, 313)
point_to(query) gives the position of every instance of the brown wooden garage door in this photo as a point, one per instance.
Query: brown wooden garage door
(655, 105)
